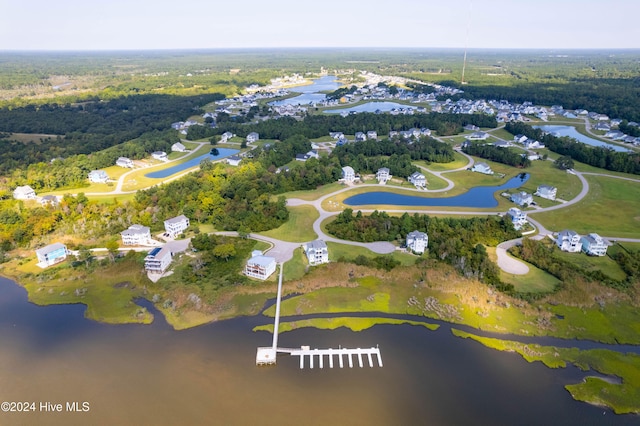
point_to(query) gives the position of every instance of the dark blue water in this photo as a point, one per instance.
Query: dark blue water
(479, 196)
(370, 107)
(222, 153)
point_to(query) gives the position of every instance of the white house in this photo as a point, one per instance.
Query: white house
(520, 138)
(226, 136)
(158, 260)
(348, 174)
(478, 136)
(518, 217)
(532, 144)
(24, 193)
(593, 245)
(546, 191)
(260, 267)
(253, 137)
(522, 198)
(124, 162)
(569, 240)
(176, 225)
(482, 168)
(383, 175)
(418, 179)
(178, 147)
(50, 200)
(372, 134)
(234, 160)
(417, 241)
(317, 252)
(160, 155)
(136, 235)
(360, 137)
(98, 176)
(51, 254)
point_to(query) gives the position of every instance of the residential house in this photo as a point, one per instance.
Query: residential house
(519, 138)
(158, 260)
(253, 137)
(336, 135)
(593, 245)
(532, 144)
(614, 134)
(260, 267)
(482, 168)
(160, 155)
(360, 137)
(348, 174)
(418, 179)
(471, 127)
(226, 136)
(233, 160)
(372, 134)
(24, 193)
(178, 147)
(176, 225)
(417, 241)
(136, 235)
(124, 162)
(302, 157)
(383, 175)
(569, 240)
(605, 127)
(546, 191)
(478, 136)
(98, 176)
(51, 254)
(317, 252)
(50, 200)
(502, 144)
(522, 198)
(518, 217)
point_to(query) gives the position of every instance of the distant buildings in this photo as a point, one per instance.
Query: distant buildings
(518, 217)
(317, 252)
(98, 176)
(51, 254)
(259, 266)
(24, 193)
(569, 240)
(418, 179)
(124, 162)
(522, 198)
(348, 174)
(417, 241)
(482, 168)
(546, 191)
(136, 235)
(158, 260)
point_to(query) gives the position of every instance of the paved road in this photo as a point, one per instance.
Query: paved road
(507, 263)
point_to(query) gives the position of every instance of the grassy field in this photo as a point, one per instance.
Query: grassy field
(611, 209)
(337, 251)
(299, 227)
(458, 162)
(314, 194)
(604, 264)
(535, 281)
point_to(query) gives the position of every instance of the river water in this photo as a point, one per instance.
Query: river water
(137, 374)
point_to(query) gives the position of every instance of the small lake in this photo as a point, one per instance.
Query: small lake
(371, 107)
(310, 93)
(479, 196)
(222, 153)
(571, 132)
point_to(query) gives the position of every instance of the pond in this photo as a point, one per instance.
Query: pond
(371, 107)
(310, 93)
(571, 132)
(222, 153)
(479, 196)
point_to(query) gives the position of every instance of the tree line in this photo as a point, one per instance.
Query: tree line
(499, 155)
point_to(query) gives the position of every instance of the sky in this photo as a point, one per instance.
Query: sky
(204, 24)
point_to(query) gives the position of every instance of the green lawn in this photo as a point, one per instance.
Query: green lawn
(458, 162)
(604, 264)
(314, 194)
(299, 227)
(337, 251)
(535, 281)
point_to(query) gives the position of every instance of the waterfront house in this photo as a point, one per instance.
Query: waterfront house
(417, 241)
(569, 241)
(253, 137)
(24, 193)
(178, 147)
(348, 174)
(158, 260)
(546, 191)
(522, 198)
(136, 235)
(176, 225)
(482, 168)
(317, 252)
(418, 179)
(260, 267)
(160, 155)
(98, 176)
(593, 245)
(51, 254)
(518, 217)
(383, 175)
(234, 160)
(124, 162)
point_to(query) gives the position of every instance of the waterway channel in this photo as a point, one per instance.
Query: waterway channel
(570, 131)
(151, 374)
(169, 171)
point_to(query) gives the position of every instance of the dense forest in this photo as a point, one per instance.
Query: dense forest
(459, 242)
(604, 158)
(497, 154)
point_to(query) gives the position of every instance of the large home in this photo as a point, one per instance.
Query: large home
(253, 137)
(417, 241)
(546, 191)
(260, 266)
(49, 200)
(482, 168)
(532, 144)
(124, 162)
(24, 193)
(136, 235)
(372, 134)
(478, 136)
(234, 160)
(51, 254)
(317, 252)
(518, 217)
(418, 179)
(226, 136)
(569, 240)
(160, 155)
(360, 137)
(178, 147)
(176, 225)
(348, 174)
(519, 138)
(158, 260)
(593, 245)
(522, 198)
(383, 175)
(98, 176)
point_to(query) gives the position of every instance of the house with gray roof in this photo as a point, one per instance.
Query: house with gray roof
(316, 252)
